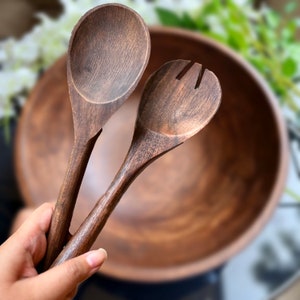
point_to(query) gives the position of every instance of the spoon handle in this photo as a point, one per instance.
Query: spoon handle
(145, 148)
(63, 212)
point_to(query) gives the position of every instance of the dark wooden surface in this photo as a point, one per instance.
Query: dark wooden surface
(194, 208)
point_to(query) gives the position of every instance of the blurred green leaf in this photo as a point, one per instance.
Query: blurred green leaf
(218, 37)
(293, 50)
(187, 22)
(258, 63)
(237, 39)
(289, 67)
(212, 7)
(272, 19)
(167, 17)
(289, 31)
(290, 7)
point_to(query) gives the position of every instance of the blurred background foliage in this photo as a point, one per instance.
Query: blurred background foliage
(264, 36)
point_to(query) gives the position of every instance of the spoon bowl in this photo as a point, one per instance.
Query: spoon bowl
(107, 49)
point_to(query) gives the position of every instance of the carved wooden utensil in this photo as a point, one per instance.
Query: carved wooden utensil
(108, 53)
(178, 101)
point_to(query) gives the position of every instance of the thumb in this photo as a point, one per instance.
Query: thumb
(25, 248)
(61, 281)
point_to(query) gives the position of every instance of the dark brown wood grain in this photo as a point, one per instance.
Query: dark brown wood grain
(192, 209)
(179, 99)
(105, 61)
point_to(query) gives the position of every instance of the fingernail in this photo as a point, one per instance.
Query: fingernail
(95, 258)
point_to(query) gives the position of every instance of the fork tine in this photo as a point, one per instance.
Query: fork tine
(185, 69)
(191, 75)
(210, 88)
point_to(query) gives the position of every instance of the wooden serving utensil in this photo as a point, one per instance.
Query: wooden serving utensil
(178, 101)
(108, 52)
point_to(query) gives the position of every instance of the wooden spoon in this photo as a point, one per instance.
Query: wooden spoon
(177, 102)
(108, 52)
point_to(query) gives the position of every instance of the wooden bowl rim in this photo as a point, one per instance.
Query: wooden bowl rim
(179, 272)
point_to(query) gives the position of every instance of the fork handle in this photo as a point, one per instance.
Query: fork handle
(145, 148)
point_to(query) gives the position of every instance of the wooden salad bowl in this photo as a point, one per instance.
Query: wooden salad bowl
(192, 209)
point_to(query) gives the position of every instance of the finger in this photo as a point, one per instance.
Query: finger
(38, 221)
(19, 219)
(32, 234)
(61, 281)
(28, 245)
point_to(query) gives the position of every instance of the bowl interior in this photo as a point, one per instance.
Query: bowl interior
(191, 209)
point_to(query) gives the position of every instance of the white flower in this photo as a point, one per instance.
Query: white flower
(26, 51)
(14, 81)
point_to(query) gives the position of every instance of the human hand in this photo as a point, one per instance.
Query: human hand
(20, 254)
